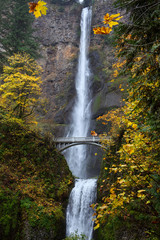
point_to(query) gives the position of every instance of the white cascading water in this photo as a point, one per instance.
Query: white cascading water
(79, 213)
(81, 114)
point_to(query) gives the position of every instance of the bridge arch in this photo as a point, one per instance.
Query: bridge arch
(62, 143)
(80, 143)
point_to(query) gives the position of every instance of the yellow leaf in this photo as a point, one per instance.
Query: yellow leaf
(142, 190)
(112, 23)
(38, 8)
(115, 15)
(129, 123)
(117, 19)
(108, 19)
(97, 226)
(121, 181)
(115, 74)
(102, 30)
(134, 126)
(141, 195)
(130, 151)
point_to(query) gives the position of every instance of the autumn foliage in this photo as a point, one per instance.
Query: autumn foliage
(34, 181)
(34, 178)
(20, 86)
(110, 20)
(130, 180)
(38, 8)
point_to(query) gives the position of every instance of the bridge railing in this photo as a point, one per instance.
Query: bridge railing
(76, 139)
(62, 143)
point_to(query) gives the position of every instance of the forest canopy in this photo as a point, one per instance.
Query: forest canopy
(130, 180)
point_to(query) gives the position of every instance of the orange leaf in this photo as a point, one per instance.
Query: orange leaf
(93, 133)
(32, 7)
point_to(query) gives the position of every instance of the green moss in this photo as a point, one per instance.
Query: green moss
(9, 217)
(108, 231)
(96, 78)
(97, 102)
(35, 181)
(117, 228)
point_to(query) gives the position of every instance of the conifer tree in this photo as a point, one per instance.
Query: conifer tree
(16, 29)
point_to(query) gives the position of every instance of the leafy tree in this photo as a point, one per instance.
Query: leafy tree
(20, 86)
(139, 43)
(130, 183)
(31, 174)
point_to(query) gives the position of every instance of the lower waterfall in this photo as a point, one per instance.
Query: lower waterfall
(79, 214)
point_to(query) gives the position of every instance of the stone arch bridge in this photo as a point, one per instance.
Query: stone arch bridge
(62, 143)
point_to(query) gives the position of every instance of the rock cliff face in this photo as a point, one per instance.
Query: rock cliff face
(58, 34)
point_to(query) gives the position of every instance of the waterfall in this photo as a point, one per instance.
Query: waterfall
(79, 213)
(81, 114)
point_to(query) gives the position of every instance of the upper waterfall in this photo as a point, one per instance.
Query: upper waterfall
(81, 114)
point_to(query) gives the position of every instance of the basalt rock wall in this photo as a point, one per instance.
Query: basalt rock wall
(59, 34)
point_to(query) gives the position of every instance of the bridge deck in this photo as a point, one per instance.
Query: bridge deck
(62, 143)
(76, 139)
